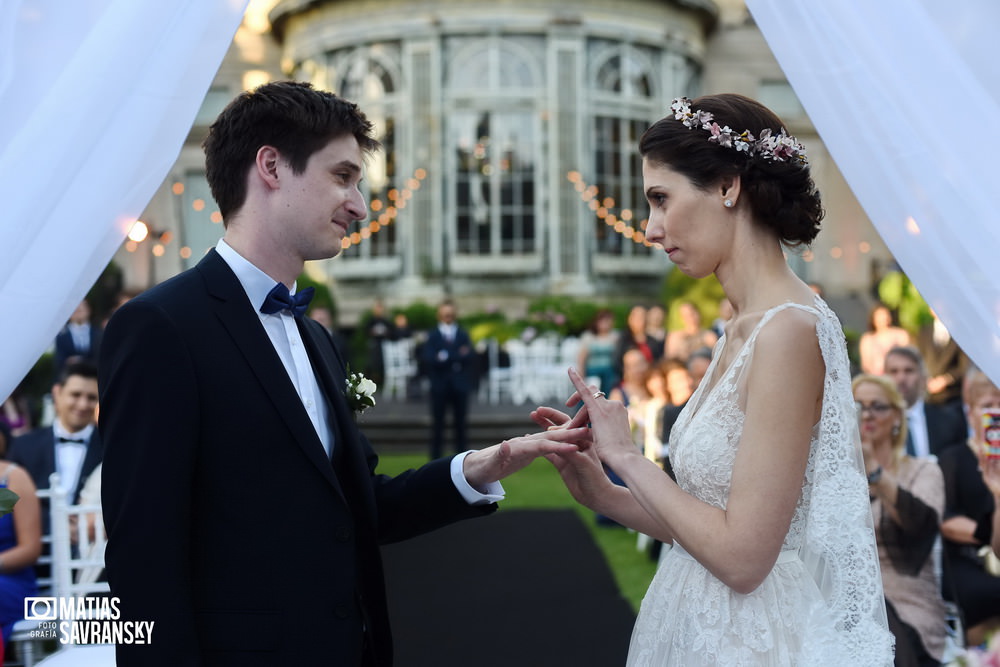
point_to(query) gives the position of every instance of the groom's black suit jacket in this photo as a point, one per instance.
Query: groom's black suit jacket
(228, 525)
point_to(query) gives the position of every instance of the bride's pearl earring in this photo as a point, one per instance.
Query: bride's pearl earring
(728, 203)
(895, 430)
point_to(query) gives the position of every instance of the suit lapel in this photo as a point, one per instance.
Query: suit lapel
(241, 322)
(49, 456)
(332, 380)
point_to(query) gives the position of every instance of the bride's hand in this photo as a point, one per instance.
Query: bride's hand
(584, 476)
(608, 419)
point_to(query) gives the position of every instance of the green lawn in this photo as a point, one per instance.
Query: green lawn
(538, 487)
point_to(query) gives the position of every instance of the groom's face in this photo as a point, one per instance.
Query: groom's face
(319, 205)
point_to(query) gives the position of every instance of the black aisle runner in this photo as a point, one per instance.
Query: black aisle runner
(524, 588)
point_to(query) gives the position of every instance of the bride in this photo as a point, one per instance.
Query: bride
(773, 559)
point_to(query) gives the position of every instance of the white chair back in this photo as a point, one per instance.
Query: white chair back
(78, 543)
(400, 365)
(499, 379)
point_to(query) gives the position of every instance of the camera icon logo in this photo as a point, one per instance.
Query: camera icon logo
(40, 609)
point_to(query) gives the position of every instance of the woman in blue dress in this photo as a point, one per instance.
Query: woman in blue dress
(20, 543)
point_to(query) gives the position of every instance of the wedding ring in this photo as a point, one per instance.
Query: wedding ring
(600, 394)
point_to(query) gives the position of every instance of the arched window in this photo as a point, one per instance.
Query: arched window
(495, 148)
(622, 94)
(369, 76)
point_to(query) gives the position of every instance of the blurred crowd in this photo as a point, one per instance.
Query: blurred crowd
(921, 407)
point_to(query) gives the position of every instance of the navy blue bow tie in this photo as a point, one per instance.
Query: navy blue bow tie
(279, 299)
(79, 441)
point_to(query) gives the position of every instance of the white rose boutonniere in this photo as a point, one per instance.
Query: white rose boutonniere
(360, 392)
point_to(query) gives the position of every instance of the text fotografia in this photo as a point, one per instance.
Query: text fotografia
(84, 620)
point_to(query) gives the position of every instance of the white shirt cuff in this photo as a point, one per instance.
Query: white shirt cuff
(491, 494)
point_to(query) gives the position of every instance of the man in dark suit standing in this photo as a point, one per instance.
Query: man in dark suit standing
(448, 356)
(241, 500)
(71, 446)
(79, 339)
(930, 426)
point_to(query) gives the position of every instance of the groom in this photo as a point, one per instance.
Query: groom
(243, 511)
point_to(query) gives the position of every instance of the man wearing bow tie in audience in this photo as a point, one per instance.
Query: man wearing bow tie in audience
(71, 446)
(448, 356)
(243, 509)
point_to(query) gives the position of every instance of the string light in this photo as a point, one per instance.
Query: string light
(397, 200)
(602, 209)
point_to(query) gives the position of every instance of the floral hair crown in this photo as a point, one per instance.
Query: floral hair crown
(781, 147)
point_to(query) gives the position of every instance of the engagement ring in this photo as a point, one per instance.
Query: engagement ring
(600, 394)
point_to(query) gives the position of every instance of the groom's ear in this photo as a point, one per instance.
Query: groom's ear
(266, 166)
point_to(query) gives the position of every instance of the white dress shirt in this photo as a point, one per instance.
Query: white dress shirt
(80, 333)
(284, 335)
(916, 421)
(69, 455)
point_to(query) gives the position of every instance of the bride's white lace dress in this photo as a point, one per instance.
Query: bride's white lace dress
(822, 603)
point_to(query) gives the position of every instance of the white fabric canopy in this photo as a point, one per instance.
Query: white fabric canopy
(906, 96)
(96, 98)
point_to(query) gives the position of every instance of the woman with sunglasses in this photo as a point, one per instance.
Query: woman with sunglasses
(907, 497)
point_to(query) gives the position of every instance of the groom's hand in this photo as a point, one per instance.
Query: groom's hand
(494, 463)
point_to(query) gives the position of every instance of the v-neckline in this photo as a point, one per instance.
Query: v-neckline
(703, 393)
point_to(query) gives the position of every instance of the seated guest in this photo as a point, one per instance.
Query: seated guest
(990, 468)
(632, 388)
(697, 366)
(659, 398)
(930, 427)
(683, 342)
(907, 498)
(71, 446)
(991, 476)
(678, 381)
(968, 517)
(20, 542)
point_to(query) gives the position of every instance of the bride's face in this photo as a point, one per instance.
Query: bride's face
(686, 221)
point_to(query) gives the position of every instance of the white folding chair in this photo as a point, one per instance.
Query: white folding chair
(499, 379)
(78, 543)
(400, 365)
(520, 370)
(76, 558)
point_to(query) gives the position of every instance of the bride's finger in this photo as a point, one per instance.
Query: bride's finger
(583, 391)
(577, 397)
(580, 419)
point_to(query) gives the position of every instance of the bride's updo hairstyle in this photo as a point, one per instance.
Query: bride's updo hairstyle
(779, 190)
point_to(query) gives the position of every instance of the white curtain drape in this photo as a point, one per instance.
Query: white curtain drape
(96, 98)
(906, 96)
